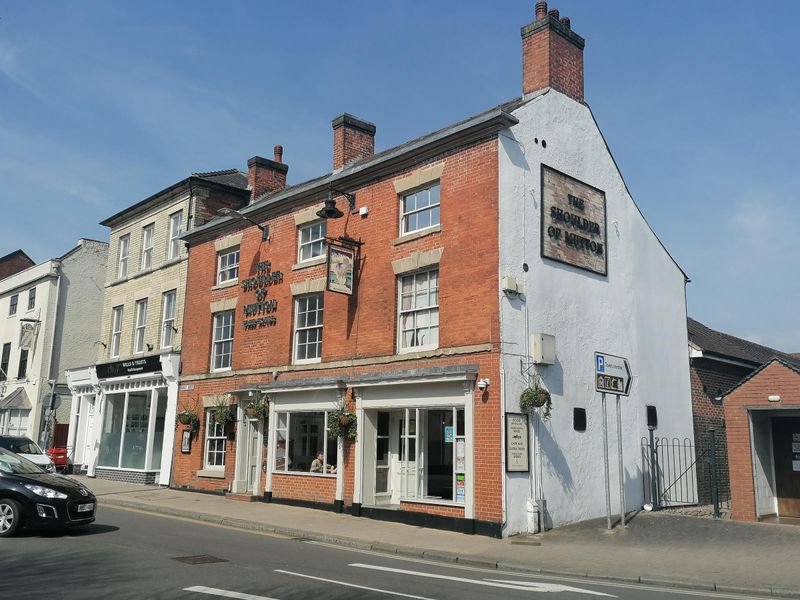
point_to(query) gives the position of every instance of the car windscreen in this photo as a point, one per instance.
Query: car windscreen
(22, 446)
(13, 464)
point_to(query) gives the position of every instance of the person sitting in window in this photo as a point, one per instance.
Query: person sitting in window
(318, 464)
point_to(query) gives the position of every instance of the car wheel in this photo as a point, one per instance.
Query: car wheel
(10, 517)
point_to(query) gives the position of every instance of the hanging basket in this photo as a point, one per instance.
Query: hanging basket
(185, 418)
(535, 398)
(342, 423)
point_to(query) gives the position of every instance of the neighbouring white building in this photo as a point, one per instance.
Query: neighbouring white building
(48, 323)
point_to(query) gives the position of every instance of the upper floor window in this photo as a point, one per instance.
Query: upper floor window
(168, 319)
(308, 328)
(141, 324)
(148, 232)
(418, 311)
(420, 209)
(12, 306)
(116, 330)
(32, 298)
(122, 256)
(174, 244)
(222, 346)
(228, 265)
(6, 358)
(311, 241)
(23, 364)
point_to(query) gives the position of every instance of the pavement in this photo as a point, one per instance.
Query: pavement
(654, 548)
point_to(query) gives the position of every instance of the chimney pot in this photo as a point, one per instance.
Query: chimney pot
(554, 13)
(278, 153)
(565, 22)
(541, 10)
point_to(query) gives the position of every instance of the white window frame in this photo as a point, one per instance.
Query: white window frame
(316, 244)
(116, 331)
(32, 298)
(218, 345)
(148, 237)
(215, 432)
(415, 310)
(432, 208)
(140, 326)
(123, 253)
(173, 243)
(168, 318)
(287, 417)
(299, 330)
(228, 271)
(13, 305)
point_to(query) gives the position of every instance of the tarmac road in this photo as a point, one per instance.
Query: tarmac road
(130, 554)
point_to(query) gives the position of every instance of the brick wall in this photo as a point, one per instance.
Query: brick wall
(14, 263)
(774, 379)
(308, 488)
(549, 59)
(433, 509)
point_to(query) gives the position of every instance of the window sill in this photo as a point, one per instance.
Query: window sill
(225, 370)
(212, 473)
(312, 262)
(226, 284)
(308, 361)
(415, 235)
(415, 349)
(304, 474)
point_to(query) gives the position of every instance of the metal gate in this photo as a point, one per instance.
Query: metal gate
(674, 465)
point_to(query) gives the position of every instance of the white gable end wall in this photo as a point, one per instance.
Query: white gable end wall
(637, 311)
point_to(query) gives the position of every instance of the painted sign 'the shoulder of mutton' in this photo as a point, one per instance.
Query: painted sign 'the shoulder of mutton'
(573, 222)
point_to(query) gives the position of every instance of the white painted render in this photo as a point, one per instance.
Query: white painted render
(637, 311)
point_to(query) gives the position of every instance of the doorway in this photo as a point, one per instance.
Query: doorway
(249, 459)
(786, 460)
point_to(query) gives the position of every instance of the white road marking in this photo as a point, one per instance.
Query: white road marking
(530, 586)
(201, 589)
(353, 585)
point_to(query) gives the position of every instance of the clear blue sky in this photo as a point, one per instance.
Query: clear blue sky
(104, 103)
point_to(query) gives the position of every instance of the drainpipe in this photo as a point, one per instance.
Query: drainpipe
(52, 377)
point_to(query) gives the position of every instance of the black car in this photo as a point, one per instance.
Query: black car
(32, 498)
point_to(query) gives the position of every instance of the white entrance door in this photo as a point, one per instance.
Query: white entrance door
(253, 458)
(404, 454)
(87, 435)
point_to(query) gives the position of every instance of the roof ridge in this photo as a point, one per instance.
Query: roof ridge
(214, 173)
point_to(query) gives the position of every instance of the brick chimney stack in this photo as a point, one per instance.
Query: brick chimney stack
(552, 55)
(353, 138)
(265, 175)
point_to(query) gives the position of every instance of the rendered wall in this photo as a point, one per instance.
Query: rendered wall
(638, 311)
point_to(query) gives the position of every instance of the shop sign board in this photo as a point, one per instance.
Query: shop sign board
(573, 222)
(612, 374)
(517, 454)
(136, 366)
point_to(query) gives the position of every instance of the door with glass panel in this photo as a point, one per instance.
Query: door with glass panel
(253, 458)
(405, 460)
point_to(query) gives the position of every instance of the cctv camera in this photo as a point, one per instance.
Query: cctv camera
(483, 384)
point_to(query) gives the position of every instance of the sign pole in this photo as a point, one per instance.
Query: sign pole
(621, 466)
(605, 461)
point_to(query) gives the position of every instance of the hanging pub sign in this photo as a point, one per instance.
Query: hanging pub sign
(517, 443)
(573, 222)
(341, 265)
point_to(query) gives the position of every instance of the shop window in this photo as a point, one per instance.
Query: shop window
(126, 429)
(420, 210)
(579, 419)
(228, 266)
(222, 347)
(12, 307)
(308, 328)
(174, 243)
(168, 318)
(148, 233)
(116, 330)
(141, 324)
(123, 250)
(418, 312)
(22, 372)
(32, 298)
(311, 241)
(215, 443)
(432, 453)
(4, 360)
(301, 439)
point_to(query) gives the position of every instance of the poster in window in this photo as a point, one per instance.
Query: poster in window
(186, 441)
(517, 443)
(461, 452)
(460, 489)
(341, 264)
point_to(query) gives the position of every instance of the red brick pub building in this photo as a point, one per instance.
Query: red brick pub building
(402, 353)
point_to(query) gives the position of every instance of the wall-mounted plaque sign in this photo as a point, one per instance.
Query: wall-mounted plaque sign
(517, 443)
(573, 222)
(341, 263)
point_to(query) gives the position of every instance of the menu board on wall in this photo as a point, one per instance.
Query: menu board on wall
(573, 222)
(517, 443)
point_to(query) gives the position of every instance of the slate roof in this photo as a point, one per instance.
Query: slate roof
(794, 366)
(723, 344)
(16, 399)
(231, 177)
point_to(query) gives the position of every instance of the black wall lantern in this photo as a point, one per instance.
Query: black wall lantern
(329, 211)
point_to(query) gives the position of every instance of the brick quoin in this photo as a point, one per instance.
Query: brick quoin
(775, 379)
(362, 327)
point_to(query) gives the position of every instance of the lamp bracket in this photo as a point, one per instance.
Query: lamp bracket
(351, 198)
